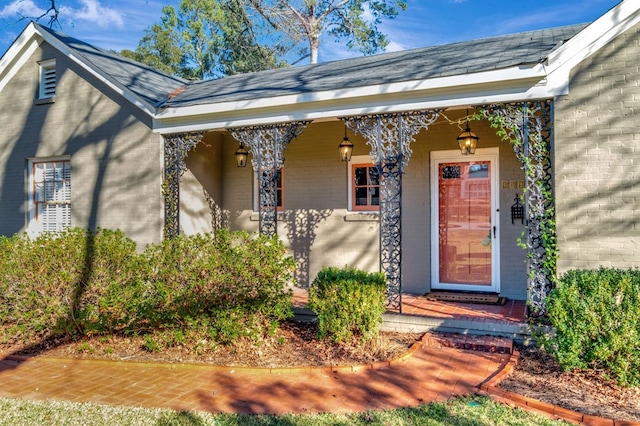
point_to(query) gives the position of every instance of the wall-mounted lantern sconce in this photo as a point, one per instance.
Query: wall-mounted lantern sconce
(467, 141)
(345, 147)
(241, 156)
(517, 211)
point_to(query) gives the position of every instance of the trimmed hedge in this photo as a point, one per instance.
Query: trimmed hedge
(79, 282)
(349, 303)
(596, 316)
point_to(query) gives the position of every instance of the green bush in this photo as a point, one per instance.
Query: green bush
(349, 303)
(235, 280)
(595, 314)
(228, 285)
(60, 282)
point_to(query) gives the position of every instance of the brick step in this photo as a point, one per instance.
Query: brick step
(473, 342)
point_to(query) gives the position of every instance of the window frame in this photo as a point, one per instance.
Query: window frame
(360, 161)
(35, 225)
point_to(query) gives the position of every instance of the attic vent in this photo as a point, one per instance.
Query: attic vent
(47, 88)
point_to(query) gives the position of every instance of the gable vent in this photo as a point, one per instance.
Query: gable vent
(47, 79)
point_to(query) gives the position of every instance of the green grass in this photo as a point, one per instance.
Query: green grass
(471, 411)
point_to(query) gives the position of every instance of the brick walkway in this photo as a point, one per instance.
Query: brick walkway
(430, 374)
(435, 371)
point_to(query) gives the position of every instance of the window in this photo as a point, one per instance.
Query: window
(47, 78)
(49, 195)
(364, 185)
(279, 193)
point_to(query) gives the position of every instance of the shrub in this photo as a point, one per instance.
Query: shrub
(227, 285)
(68, 282)
(237, 281)
(596, 320)
(349, 303)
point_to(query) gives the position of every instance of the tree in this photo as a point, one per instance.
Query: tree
(51, 12)
(309, 19)
(208, 39)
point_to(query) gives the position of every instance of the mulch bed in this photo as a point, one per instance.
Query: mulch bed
(538, 375)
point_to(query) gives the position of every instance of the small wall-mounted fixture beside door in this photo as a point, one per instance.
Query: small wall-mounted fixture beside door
(517, 211)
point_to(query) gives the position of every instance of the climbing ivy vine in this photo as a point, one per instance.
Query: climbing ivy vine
(527, 127)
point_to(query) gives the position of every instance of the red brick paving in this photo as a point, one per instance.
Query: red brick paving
(430, 374)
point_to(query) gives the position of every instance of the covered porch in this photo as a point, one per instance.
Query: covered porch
(309, 202)
(404, 113)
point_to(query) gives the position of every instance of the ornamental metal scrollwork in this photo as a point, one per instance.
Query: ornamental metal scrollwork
(219, 217)
(267, 144)
(390, 137)
(176, 147)
(528, 127)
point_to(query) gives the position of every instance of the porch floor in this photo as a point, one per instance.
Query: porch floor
(420, 314)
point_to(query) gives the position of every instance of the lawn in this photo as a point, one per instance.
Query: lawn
(471, 411)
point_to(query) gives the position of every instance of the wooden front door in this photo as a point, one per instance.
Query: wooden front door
(464, 221)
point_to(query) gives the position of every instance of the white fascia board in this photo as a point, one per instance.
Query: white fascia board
(118, 88)
(506, 75)
(603, 30)
(9, 70)
(444, 98)
(18, 54)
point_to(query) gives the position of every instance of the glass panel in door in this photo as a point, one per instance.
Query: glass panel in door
(464, 223)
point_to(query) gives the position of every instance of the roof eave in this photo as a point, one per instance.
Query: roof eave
(502, 85)
(590, 40)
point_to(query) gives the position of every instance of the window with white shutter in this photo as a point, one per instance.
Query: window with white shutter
(47, 87)
(50, 193)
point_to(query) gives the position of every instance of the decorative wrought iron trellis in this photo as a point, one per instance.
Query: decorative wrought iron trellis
(219, 217)
(390, 137)
(267, 144)
(528, 127)
(176, 147)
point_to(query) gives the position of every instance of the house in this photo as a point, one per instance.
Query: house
(92, 139)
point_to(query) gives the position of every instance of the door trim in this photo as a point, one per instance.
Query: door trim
(482, 154)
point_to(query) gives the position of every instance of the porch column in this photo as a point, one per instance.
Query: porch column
(390, 137)
(176, 147)
(528, 127)
(267, 144)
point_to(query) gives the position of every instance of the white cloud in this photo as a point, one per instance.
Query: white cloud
(93, 12)
(20, 8)
(395, 47)
(89, 11)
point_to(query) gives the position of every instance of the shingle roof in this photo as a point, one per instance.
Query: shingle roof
(415, 64)
(460, 58)
(149, 84)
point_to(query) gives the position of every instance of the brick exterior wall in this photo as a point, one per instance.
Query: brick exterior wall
(316, 223)
(116, 163)
(597, 159)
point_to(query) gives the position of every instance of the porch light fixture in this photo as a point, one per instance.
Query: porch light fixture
(467, 141)
(241, 156)
(345, 147)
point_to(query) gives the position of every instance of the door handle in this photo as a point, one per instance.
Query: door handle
(494, 232)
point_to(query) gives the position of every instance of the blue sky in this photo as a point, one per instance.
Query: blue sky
(119, 24)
